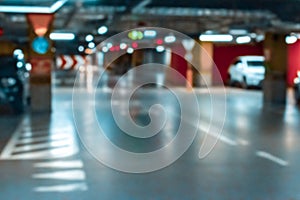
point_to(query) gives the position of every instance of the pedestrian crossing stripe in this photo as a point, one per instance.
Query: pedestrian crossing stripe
(30, 142)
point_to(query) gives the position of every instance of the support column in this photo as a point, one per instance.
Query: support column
(206, 63)
(274, 87)
(41, 58)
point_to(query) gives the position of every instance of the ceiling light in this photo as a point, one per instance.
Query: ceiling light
(102, 30)
(238, 32)
(89, 38)
(135, 35)
(109, 45)
(123, 46)
(91, 45)
(160, 48)
(260, 38)
(243, 39)
(32, 9)
(105, 49)
(291, 39)
(130, 50)
(19, 64)
(170, 39)
(62, 36)
(150, 33)
(80, 48)
(216, 38)
(28, 66)
(17, 52)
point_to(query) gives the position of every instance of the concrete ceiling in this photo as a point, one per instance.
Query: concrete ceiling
(191, 17)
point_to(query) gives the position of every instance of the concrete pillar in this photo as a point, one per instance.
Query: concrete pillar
(206, 63)
(41, 57)
(274, 87)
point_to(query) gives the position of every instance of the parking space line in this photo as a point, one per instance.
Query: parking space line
(272, 158)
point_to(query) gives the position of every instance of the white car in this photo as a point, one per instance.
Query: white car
(247, 71)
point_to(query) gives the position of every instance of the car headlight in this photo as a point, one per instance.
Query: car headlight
(8, 82)
(296, 81)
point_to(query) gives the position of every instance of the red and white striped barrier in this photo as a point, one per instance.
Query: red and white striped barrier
(70, 62)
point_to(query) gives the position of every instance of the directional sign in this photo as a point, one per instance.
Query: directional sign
(70, 62)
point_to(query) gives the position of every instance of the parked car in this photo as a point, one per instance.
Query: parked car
(247, 71)
(297, 87)
(13, 80)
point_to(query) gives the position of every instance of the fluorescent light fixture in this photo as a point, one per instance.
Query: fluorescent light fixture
(102, 30)
(89, 38)
(243, 39)
(238, 32)
(216, 38)
(150, 33)
(291, 39)
(57, 5)
(170, 39)
(62, 36)
(32, 9)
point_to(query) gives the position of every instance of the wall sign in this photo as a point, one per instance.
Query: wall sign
(40, 45)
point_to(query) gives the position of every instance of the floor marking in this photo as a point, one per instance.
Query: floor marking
(70, 175)
(60, 164)
(52, 144)
(6, 153)
(207, 129)
(62, 188)
(271, 157)
(32, 133)
(46, 154)
(44, 138)
(243, 142)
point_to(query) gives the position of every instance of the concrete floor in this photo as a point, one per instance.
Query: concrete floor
(256, 157)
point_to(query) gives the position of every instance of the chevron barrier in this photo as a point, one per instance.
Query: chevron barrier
(70, 62)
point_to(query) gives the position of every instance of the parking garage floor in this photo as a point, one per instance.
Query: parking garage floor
(256, 157)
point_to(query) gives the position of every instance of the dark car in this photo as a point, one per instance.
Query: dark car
(297, 88)
(13, 77)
